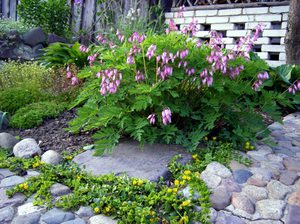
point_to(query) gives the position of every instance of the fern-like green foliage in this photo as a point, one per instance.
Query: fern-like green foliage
(230, 108)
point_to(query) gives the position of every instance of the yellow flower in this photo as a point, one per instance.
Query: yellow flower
(205, 138)
(251, 147)
(21, 185)
(184, 219)
(96, 210)
(188, 177)
(176, 182)
(151, 212)
(247, 143)
(247, 147)
(187, 172)
(107, 209)
(151, 220)
(25, 187)
(140, 182)
(175, 190)
(184, 177)
(195, 156)
(186, 203)
(169, 190)
(214, 138)
(134, 182)
(78, 177)
(182, 182)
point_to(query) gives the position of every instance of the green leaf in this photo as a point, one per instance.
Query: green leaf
(285, 72)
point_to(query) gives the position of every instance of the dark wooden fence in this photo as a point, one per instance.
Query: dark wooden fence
(83, 16)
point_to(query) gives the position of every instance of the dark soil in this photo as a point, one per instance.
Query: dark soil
(51, 134)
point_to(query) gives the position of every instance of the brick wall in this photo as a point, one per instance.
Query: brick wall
(236, 22)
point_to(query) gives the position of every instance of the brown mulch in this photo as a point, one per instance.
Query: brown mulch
(51, 134)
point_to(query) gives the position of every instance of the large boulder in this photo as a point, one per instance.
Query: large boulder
(34, 37)
(27, 148)
(7, 141)
(53, 38)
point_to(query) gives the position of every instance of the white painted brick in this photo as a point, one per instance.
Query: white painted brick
(179, 20)
(258, 10)
(282, 40)
(252, 25)
(283, 25)
(285, 16)
(196, 19)
(169, 15)
(222, 26)
(237, 33)
(228, 12)
(230, 46)
(227, 40)
(202, 34)
(274, 33)
(268, 17)
(279, 9)
(188, 13)
(206, 12)
(263, 40)
(275, 63)
(240, 19)
(282, 57)
(220, 19)
(273, 48)
(263, 55)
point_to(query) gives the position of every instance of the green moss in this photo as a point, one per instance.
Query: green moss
(33, 114)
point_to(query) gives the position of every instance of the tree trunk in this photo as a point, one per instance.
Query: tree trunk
(292, 38)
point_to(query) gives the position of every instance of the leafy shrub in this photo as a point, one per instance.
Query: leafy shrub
(171, 89)
(63, 54)
(33, 114)
(8, 25)
(12, 99)
(51, 15)
(16, 74)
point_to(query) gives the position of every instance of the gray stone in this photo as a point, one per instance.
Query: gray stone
(102, 219)
(218, 169)
(29, 208)
(56, 216)
(211, 180)
(32, 218)
(27, 148)
(32, 173)
(255, 193)
(292, 164)
(34, 37)
(264, 222)
(296, 143)
(3, 119)
(240, 201)
(274, 158)
(37, 50)
(220, 198)
(51, 157)
(270, 208)
(11, 181)
(224, 218)
(293, 215)
(59, 190)
(13, 201)
(241, 176)
(85, 212)
(288, 177)
(147, 163)
(24, 51)
(275, 126)
(7, 141)
(283, 150)
(274, 167)
(75, 221)
(230, 185)
(6, 214)
(53, 38)
(277, 190)
(257, 180)
(234, 165)
(262, 173)
(6, 173)
(213, 215)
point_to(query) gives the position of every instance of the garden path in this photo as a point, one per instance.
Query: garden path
(267, 192)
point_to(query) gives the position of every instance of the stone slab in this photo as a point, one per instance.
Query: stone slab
(147, 163)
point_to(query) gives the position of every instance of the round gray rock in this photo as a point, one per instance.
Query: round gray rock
(26, 148)
(7, 141)
(241, 176)
(102, 219)
(56, 216)
(51, 157)
(270, 208)
(220, 198)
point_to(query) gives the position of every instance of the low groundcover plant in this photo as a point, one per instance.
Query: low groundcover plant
(172, 88)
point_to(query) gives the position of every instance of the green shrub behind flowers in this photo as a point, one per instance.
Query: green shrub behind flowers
(172, 89)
